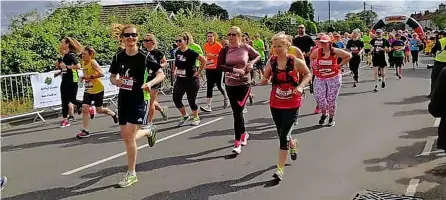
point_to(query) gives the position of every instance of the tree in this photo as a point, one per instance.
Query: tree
(211, 10)
(369, 16)
(302, 8)
(283, 22)
(214, 10)
(440, 20)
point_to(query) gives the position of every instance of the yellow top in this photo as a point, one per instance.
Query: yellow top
(441, 57)
(92, 86)
(292, 51)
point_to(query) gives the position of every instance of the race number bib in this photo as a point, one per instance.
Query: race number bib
(280, 94)
(354, 48)
(88, 84)
(325, 62)
(180, 72)
(127, 83)
(210, 63)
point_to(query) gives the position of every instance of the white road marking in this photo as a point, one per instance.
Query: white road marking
(140, 147)
(428, 147)
(412, 188)
(437, 122)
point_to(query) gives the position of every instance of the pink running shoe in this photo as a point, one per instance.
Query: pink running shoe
(244, 139)
(237, 147)
(64, 123)
(92, 112)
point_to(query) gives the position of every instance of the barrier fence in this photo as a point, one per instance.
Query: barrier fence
(18, 100)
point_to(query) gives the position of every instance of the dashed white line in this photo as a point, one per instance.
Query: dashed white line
(140, 147)
(412, 188)
(428, 147)
(437, 122)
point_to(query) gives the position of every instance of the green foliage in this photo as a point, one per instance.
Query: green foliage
(302, 8)
(440, 20)
(32, 45)
(9, 108)
(214, 10)
(211, 10)
(367, 16)
(288, 23)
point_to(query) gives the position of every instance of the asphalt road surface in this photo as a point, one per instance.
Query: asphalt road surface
(382, 141)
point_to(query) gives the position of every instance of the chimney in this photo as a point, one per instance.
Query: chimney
(426, 12)
(442, 7)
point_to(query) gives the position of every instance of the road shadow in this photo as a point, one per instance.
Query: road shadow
(410, 100)
(208, 190)
(435, 176)
(421, 133)
(354, 93)
(411, 112)
(403, 158)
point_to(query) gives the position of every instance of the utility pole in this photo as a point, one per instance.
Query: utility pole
(317, 19)
(329, 12)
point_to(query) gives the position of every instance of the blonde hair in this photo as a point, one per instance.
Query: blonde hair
(237, 30)
(73, 45)
(127, 26)
(283, 38)
(187, 36)
(155, 42)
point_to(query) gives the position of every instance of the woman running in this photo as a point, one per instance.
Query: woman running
(94, 91)
(237, 60)
(150, 43)
(328, 77)
(414, 45)
(390, 53)
(213, 75)
(286, 95)
(127, 72)
(355, 46)
(187, 78)
(317, 110)
(69, 85)
(398, 54)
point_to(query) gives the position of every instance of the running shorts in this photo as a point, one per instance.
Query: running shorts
(98, 99)
(379, 62)
(132, 112)
(366, 51)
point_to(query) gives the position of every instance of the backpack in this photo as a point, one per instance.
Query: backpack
(289, 68)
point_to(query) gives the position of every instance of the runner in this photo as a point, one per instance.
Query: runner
(69, 85)
(187, 80)
(317, 110)
(380, 46)
(355, 46)
(414, 45)
(94, 91)
(259, 46)
(328, 77)
(398, 54)
(213, 76)
(237, 60)
(366, 38)
(131, 65)
(151, 45)
(304, 43)
(390, 53)
(286, 95)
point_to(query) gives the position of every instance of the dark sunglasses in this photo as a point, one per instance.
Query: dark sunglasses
(178, 41)
(232, 34)
(130, 34)
(300, 27)
(148, 40)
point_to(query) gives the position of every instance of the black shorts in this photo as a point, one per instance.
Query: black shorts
(366, 51)
(398, 61)
(379, 62)
(132, 112)
(259, 65)
(98, 99)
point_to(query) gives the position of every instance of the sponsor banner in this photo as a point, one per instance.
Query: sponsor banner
(46, 89)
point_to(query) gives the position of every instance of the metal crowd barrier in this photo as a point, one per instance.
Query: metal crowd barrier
(17, 95)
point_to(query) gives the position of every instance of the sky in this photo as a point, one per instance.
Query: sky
(257, 7)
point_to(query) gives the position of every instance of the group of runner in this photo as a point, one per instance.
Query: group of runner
(292, 64)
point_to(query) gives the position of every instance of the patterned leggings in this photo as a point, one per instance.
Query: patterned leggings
(326, 91)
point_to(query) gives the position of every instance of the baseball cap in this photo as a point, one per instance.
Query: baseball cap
(379, 30)
(325, 38)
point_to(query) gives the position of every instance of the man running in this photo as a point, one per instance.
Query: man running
(379, 48)
(130, 65)
(304, 43)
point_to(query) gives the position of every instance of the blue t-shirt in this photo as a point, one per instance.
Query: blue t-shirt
(413, 44)
(340, 45)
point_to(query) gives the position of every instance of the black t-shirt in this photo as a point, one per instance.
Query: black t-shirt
(378, 46)
(304, 43)
(157, 55)
(69, 59)
(185, 63)
(355, 46)
(132, 70)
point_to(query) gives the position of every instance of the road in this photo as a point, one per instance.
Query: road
(382, 141)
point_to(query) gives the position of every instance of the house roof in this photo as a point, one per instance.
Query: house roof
(122, 9)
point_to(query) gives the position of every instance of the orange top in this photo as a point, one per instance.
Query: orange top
(212, 49)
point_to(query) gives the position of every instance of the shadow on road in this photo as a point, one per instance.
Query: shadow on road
(207, 190)
(405, 157)
(421, 133)
(436, 176)
(410, 100)
(354, 93)
(411, 112)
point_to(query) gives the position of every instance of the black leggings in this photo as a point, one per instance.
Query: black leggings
(436, 70)
(214, 77)
(188, 86)
(414, 56)
(68, 93)
(391, 59)
(354, 66)
(237, 97)
(284, 120)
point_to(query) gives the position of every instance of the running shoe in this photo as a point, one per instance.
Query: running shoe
(115, 118)
(164, 113)
(83, 134)
(278, 175)
(293, 149)
(399, 77)
(322, 120)
(237, 147)
(244, 139)
(383, 84)
(245, 110)
(207, 108)
(151, 138)
(196, 121)
(92, 112)
(226, 103)
(331, 122)
(183, 120)
(71, 119)
(3, 181)
(128, 180)
(376, 89)
(64, 123)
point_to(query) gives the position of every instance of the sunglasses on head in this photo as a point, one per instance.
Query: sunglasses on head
(233, 34)
(148, 40)
(130, 34)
